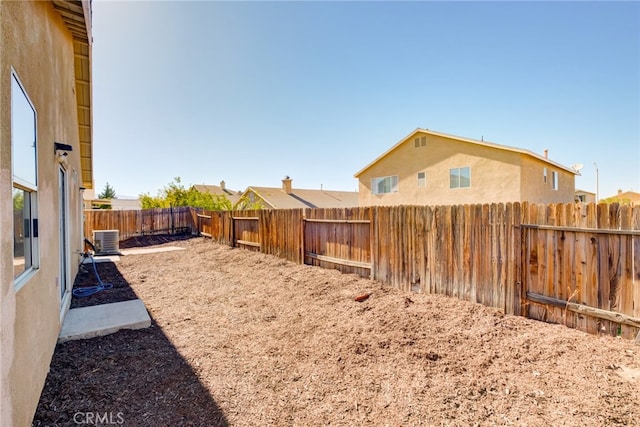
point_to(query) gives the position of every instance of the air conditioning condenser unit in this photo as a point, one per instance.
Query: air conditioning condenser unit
(107, 242)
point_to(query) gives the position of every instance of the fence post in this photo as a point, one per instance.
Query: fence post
(373, 241)
(302, 228)
(231, 230)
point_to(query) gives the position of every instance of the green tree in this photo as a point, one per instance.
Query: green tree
(175, 194)
(623, 201)
(18, 200)
(107, 194)
(248, 202)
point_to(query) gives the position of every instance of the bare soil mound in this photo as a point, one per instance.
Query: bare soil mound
(245, 339)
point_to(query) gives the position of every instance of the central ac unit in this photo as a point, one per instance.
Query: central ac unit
(106, 241)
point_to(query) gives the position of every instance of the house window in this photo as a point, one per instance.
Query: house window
(25, 183)
(554, 179)
(460, 177)
(386, 184)
(544, 175)
(420, 142)
(417, 142)
(422, 179)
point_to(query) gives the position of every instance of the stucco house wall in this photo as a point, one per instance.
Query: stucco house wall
(534, 187)
(37, 46)
(496, 174)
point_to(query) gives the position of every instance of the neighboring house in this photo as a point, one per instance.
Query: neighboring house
(288, 197)
(624, 198)
(220, 190)
(118, 203)
(433, 168)
(585, 196)
(45, 164)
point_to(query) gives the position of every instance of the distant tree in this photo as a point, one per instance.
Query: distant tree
(624, 201)
(175, 194)
(107, 194)
(248, 202)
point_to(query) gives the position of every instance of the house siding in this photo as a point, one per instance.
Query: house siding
(36, 43)
(535, 190)
(495, 174)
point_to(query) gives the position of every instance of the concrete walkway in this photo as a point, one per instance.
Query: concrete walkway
(104, 319)
(142, 251)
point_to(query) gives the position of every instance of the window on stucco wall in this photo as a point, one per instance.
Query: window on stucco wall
(385, 184)
(24, 164)
(460, 177)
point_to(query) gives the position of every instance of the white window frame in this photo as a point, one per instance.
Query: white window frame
(544, 175)
(28, 185)
(455, 175)
(389, 184)
(554, 180)
(422, 180)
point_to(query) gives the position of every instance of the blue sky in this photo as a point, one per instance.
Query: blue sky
(248, 92)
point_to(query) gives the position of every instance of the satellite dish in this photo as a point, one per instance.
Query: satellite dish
(577, 167)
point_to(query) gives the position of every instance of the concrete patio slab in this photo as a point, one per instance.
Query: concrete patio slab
(104, 319)
(142, 251)
(98, 259)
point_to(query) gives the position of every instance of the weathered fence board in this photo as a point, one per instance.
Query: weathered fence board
(245, 231)
(339, 239)
(584, 257)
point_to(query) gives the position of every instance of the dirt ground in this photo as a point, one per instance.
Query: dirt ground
(239, 338)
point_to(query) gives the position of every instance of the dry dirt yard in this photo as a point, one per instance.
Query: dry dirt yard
(239, 338)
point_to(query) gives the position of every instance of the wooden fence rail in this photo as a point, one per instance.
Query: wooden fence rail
(567, 263)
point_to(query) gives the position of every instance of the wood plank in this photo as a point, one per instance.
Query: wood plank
(339, 221)
(468, 251)
(248, 243)
(337, 260)
(585, 310)
(635, 255)
(582, 229)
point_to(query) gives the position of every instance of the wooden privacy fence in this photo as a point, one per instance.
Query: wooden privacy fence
(134, 223)
(568, 263)
(572, 263)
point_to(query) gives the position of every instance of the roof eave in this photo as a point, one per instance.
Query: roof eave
(76, 14)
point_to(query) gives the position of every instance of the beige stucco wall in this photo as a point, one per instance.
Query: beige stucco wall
(37, 44)
(535, 190)
(497, 175)
(588, 196)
